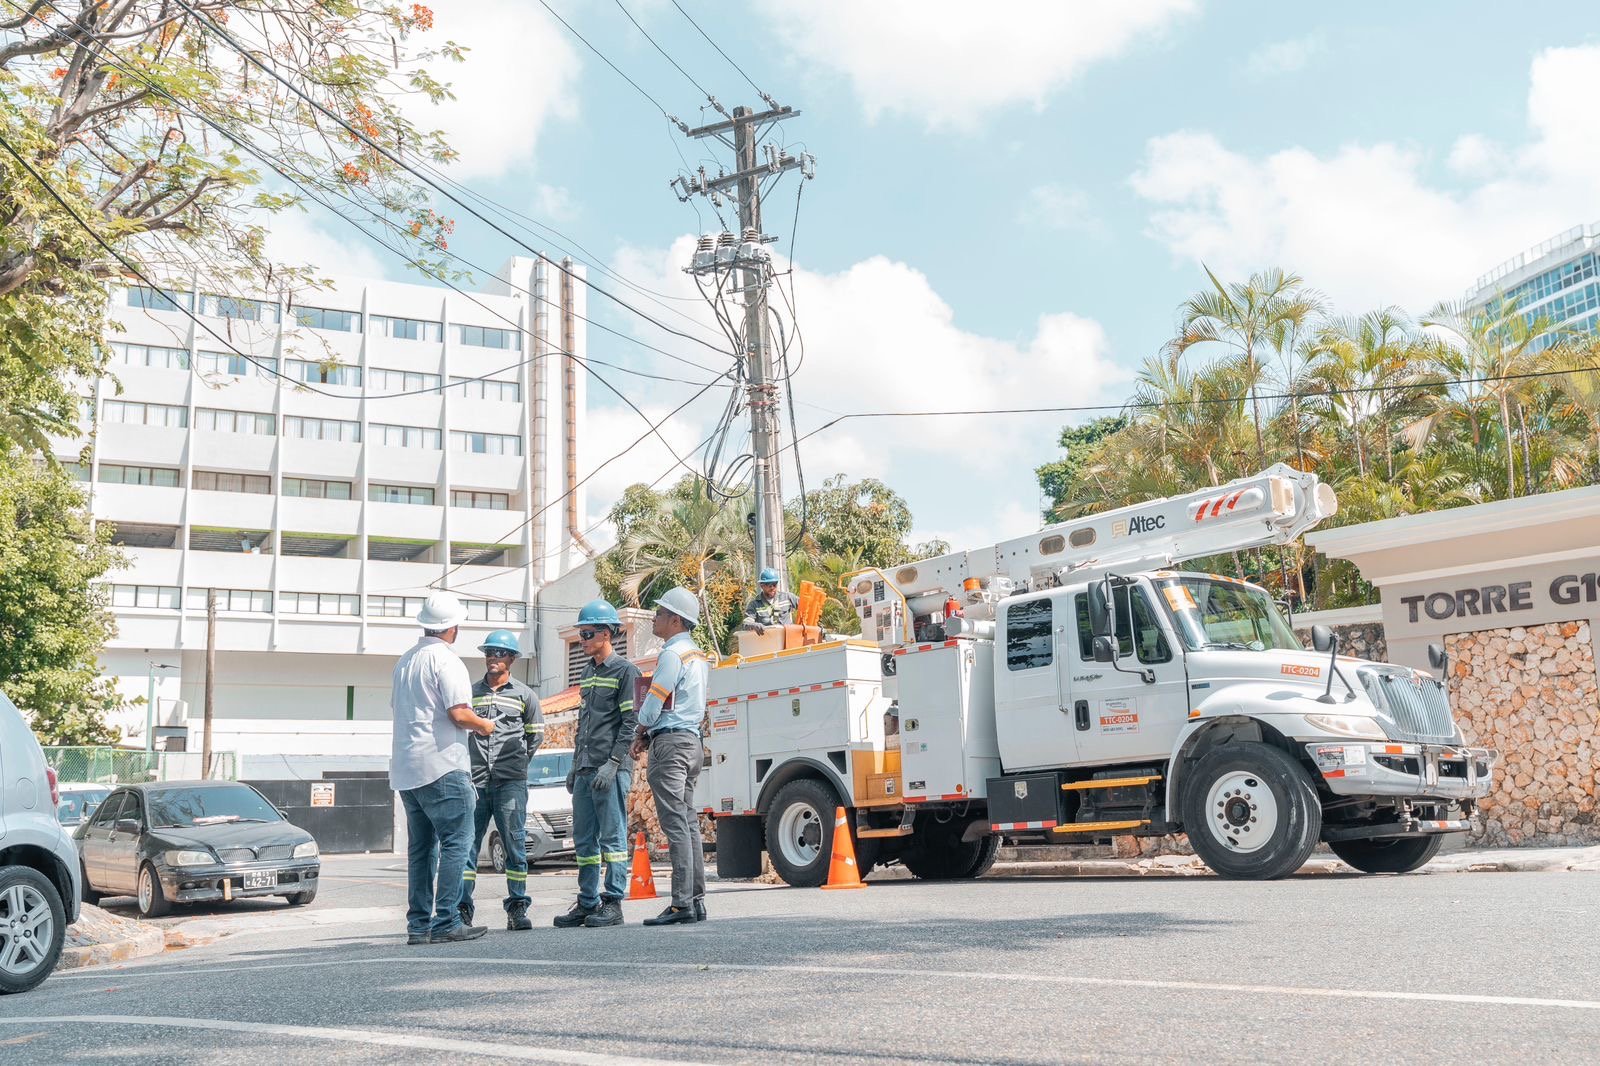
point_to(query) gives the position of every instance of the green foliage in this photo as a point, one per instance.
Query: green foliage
(863, 518)
(1059, 477)
(53, 621)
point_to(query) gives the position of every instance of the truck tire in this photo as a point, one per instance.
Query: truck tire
(36, 927)
(1393, 856)
(800, 832)
(937, 853)
(1251, 812)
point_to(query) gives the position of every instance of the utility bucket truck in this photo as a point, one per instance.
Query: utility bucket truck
(1070, 685)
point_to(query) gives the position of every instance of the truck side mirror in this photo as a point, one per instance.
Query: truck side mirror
(1322, 638)
(1100, 612)
(1437, 657)
(1105, 649)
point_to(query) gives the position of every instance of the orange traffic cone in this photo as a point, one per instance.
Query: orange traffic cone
(842, 870)
(644, 878)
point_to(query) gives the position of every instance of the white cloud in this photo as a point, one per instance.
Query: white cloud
(1367, 223)
(1476, 156)
(1282, 57)
(326, 244)
(520, 72)
(553, 203)
(948, 62)
(1061, 207)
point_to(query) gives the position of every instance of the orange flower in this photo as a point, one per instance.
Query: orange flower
(354, 173)
(59, 73)
(421, 17)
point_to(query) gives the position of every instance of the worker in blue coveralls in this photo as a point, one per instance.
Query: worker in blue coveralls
(500, 773)
(769, 607)
(602, 771)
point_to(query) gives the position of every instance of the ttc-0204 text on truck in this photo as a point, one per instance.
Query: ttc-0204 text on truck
(1071, 685)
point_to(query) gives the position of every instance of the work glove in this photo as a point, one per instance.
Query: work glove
(761, 630)
(604, 776)
(572, 778)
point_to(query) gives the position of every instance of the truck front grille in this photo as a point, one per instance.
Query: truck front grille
(560, 822)
(1417, 705)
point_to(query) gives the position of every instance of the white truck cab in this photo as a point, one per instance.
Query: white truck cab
(1069, 685)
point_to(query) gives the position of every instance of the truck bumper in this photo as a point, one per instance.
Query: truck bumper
(1415, 771)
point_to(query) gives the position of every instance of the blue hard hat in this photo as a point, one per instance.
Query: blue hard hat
(769, 576)
(504, 640)
(599, 613)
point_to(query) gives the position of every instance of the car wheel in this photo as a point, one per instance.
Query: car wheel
(33, 925)
(497, 853)
(152, 900)
(88, 895)
(300, 899)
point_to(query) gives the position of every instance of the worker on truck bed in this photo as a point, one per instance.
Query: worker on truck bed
(770, 607)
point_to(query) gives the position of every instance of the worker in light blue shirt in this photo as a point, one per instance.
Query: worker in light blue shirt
(669, 723)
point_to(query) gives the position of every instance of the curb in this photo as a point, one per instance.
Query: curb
(149, 940)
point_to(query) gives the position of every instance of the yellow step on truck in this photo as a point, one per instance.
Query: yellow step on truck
(1071, 685)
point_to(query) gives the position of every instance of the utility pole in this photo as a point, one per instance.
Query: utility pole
(747, 254)
(211, 681)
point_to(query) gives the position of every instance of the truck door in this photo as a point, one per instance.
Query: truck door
(1033, 720)
(1129, 719)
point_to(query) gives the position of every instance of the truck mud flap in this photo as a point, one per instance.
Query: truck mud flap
(739, 843)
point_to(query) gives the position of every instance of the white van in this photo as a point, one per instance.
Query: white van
(40, 876)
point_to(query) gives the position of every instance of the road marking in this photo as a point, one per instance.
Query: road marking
(886, 971)
(375, 1037)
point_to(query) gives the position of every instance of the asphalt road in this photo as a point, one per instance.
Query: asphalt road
(1466, 967)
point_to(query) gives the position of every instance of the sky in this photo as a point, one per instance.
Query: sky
(1011, 199)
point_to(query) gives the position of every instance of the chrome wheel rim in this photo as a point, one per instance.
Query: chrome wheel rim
(147, 891)
(497, 854)
(1241, 813)
(27, 929)
(800, 834)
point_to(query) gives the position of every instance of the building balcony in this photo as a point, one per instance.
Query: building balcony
(404, 466)
(150, 566)
(233, 451)
(389, 578)
(481, 526)
(496, 473)
(143, 504)
(308, 514)
(411, 521)
(143, 445)
(207, 507)
(298, 574)
(324, 459)
(487, 416)
(224, 570)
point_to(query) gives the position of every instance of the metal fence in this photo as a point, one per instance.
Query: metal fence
(115, 766)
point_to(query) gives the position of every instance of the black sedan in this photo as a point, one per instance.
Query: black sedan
(194, 842)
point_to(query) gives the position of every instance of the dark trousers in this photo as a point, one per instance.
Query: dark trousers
(438, 832)
(507, 803)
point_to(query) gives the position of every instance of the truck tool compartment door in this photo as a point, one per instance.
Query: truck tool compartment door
(1033, 717)
(1129, 719)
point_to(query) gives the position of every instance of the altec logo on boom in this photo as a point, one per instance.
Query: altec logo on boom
(1138, 524)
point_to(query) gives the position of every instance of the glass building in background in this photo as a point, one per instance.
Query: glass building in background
(1555, 280)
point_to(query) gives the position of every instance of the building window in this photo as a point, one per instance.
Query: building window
(144, 414)
(326, 318)
(78, 471)
(313, 488)
(160, 299)
(483, 501)
(239, 307)
(164, 597)
(259, 484)
(488, 389)
(234, 365)
(1029, 635)
(393, 606)
(489, 337)
(318, 603)
(495, 611)
(235, 421)
(405, 436)
(150, 355)
(381, 380)
(323, 373)
(485, 443)
(161, 476)
(322, 429)
(399, 494)
(256, 601)
(406, 329)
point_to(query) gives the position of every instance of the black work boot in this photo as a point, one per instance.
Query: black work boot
(610, 913)
(517, 917)
(699, 908)
(573, 918)
(466, 910)
(674, 916)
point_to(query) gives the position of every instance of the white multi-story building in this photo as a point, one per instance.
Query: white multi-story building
(383, 438)
(1557, 281)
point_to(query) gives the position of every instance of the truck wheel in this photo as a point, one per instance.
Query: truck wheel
(1250, 812)
(33, 926)
(1395, 856)
(800, 832)
(937, 853)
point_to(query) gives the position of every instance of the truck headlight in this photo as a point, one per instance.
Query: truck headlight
(308, 850)
(189, 858)
(1348, 725)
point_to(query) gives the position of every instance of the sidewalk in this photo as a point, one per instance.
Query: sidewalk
(98, 937)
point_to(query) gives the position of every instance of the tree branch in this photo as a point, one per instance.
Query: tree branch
(24, 18)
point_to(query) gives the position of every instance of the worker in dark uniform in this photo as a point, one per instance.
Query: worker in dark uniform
(770, 607)
(500, 773)
(602, 771)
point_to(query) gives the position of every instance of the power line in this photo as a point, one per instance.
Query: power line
(759, 91)
(703, 91)
(620, 73)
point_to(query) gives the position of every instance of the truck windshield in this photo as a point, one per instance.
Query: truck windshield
(1225, 614)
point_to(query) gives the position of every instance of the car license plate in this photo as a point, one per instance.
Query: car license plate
(261, 879)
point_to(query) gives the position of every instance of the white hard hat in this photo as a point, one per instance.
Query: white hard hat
(681, 602)
(441, 611)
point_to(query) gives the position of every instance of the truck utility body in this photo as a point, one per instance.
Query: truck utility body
(1068, 686)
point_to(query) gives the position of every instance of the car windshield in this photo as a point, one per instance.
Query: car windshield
(183, 808)
(549, 768)
(1210, 613)
(78, 805)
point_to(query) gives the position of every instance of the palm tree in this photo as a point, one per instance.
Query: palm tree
(1577, 383)
(1363, 365)
(696, 540)
(1252, 320)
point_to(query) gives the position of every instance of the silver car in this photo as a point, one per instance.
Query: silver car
(549, 824)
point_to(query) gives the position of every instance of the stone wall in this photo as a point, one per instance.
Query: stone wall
(1532, 693)
(1364, 640)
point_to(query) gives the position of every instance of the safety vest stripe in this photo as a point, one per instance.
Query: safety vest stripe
(615, 856)
(625, 706)
(533, 727)
(588, 860)
(658, 692)
(600, 682)
(513, 875)
(469, 875)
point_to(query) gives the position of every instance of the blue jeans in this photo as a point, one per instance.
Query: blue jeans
(507, 803)
(438, 831)
(600, 833)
